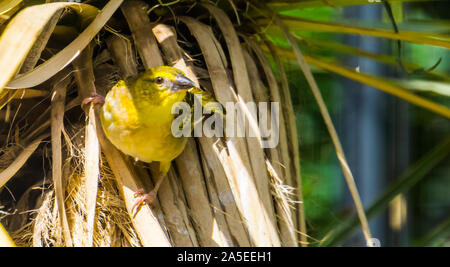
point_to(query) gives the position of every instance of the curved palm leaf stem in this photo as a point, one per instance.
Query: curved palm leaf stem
(328, 122)
(293, 135)
(49, 68)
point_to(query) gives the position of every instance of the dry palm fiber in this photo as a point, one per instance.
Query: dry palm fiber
(281, 191)
(261, 228)
(284, 179)
(173, 53)
(188, 163)
(113, 226)
(243, 88)
(292, 138)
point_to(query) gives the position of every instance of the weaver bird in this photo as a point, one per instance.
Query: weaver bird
(136, 117)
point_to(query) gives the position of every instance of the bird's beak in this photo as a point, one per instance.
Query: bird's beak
(181, 82)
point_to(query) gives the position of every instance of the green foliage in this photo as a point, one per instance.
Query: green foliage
(426, 179)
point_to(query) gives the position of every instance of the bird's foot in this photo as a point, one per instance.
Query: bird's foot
(94, 99)
(142, 199)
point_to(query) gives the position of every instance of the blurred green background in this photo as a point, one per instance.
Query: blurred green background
(385, 138)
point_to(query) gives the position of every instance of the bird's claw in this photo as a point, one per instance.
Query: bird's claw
(142, 199)
(139, 193)
(94, 99)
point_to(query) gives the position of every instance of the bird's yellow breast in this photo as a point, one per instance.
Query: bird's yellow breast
(143, 133)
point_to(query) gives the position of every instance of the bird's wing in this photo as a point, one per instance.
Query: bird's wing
(119, 108)
(209, 103)
(187, 119)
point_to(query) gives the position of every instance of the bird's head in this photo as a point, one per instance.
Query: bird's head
(162, 84)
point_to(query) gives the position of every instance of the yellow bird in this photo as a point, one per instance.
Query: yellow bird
(137, 118)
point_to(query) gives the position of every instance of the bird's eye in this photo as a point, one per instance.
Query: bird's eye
(159, 80)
